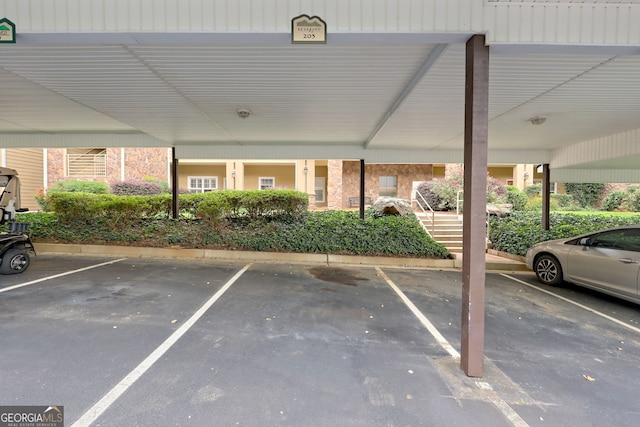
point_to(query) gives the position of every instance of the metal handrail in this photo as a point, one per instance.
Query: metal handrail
(422, 208)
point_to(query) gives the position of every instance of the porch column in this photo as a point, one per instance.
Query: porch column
(306, 179)
(475, 205)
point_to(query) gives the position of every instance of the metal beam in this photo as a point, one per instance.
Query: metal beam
(362, 188)
(475, 205)
(175, 205)
(546, 196)
(433, 56)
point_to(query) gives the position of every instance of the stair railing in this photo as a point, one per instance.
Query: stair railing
(426, 209)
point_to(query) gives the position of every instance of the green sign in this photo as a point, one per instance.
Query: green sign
(7, 31)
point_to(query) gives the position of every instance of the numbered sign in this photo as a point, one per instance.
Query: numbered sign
(308, 29)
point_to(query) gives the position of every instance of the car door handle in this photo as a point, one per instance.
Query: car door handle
(628, 261)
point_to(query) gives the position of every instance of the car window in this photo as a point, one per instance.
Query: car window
(626, 239)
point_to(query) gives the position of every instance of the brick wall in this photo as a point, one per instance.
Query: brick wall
(406, 174)
(139, 163)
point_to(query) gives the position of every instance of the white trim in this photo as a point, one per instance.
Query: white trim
(208, 183)
(273, 182)
(316, 188)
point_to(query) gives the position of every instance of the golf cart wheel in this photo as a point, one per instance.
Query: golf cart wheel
(15, 261)
(548, 270)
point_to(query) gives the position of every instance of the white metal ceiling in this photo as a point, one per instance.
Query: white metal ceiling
(391, 97)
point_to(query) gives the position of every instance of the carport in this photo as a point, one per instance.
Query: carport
(549, 82)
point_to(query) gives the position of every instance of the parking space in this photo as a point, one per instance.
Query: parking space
(176, 342)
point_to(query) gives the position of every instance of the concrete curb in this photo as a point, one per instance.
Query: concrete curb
(249, 256)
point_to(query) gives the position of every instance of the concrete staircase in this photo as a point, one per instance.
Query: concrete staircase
(446, 229)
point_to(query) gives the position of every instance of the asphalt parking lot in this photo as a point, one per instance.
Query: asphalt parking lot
(157, 342)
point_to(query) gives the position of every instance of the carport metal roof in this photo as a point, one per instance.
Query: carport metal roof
(388, 86)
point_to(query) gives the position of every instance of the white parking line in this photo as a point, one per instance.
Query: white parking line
(55, 276)
(577, 304)
(423, 319)
(496, 400)
(96, 410)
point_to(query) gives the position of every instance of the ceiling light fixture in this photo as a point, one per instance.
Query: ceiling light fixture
(243, 113)
(537, 120)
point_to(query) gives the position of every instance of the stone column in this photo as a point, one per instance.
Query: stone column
(334, 184)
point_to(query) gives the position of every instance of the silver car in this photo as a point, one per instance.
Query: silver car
(607, 261)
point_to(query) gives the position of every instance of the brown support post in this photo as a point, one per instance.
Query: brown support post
(475, 205)
(362, 177)
(174, 184)
(546, 196)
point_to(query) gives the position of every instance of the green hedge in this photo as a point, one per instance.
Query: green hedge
(211, 206)
(336, 232)
(520, 230)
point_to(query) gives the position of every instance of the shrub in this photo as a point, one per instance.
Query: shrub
(518, 199)
(586, 194)
(613, 201)
(535, 204)
(519, 231)
(442, 194)
(432, 194)
(564, 202)
(161, 182)
(324, 231)
(633, 199)
(80, 187)
(496, 191)
(534, 190)
(135, 188)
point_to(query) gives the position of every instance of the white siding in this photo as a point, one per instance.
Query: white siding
(504, 22)
(621, 145)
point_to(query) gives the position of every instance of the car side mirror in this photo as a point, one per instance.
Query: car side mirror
(586, 241)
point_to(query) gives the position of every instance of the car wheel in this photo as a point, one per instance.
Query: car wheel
(548, 270)
(14, 261)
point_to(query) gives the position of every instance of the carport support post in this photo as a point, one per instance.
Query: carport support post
(362, 178)
(175, 209)
(546, 196)
(475, 205)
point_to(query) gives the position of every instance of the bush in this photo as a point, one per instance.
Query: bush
(431, 192)
(534, 190)
(442, 194)
(586, 194)
(135, 188)
(80, 187)
(211, 206)
(535, 204)
(518, 199)
(336, 232)
(519, 231)
(614, 201)
(633, 199)
(564, 202)
(496, 191)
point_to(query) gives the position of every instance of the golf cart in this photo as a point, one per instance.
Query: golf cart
(15, 245)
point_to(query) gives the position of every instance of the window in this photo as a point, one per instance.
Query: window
(88, 162)
(626, 240)
(319, 188)
(388, 186)
(266, 183)
(202, 184)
